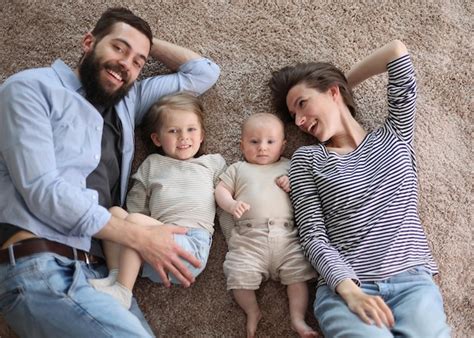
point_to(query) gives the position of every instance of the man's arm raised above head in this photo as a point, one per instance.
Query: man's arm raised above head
(203, 71)
(173, 56)
(192, 72)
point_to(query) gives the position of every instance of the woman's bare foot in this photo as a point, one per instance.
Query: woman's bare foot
(303, 329)
(252, 323)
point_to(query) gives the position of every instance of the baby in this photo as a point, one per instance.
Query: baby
(264, 242)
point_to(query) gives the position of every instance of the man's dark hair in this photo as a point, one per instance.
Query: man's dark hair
(120, 14)
(317, 75)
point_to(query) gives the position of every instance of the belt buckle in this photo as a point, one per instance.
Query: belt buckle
(11, 255)
(86, 256)
(77, 255)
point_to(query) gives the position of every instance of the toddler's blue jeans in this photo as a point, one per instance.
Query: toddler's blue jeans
(196, 241)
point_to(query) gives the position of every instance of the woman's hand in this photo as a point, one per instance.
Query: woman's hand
(371, 309)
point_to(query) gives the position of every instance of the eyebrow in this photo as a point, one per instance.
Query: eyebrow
(292, 104)
(125, 42)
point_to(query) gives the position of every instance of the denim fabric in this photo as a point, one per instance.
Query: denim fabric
(412, 296)
(197, 242)
(47, 295)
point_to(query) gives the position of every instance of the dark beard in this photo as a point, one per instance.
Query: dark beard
(89, 72)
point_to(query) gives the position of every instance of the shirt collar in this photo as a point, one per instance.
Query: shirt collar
(68, 78)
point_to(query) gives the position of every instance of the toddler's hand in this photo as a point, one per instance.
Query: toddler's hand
(283, 182)
(239, 208)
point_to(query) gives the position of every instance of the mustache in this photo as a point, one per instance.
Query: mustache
(117, 69)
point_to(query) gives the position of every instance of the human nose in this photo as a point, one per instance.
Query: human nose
(299, 120)
(126, 62)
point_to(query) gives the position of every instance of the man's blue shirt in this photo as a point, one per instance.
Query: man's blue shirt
(50, 141)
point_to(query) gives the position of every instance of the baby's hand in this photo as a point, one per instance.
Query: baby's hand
(283, 182)
(239, 208)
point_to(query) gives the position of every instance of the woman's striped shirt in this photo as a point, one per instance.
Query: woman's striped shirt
(357, 213)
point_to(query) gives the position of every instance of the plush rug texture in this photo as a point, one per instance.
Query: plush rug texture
(249, 40)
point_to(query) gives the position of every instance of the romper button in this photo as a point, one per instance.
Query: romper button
(248, 225)
(286, 224)
(271, 222)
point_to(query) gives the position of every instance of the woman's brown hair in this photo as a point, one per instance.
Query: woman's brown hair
(317, 75)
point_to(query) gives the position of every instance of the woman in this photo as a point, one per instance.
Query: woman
(355, 197)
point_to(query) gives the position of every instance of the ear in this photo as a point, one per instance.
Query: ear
(334, 91)
(283, 146)
(155, 139)
(88, 42)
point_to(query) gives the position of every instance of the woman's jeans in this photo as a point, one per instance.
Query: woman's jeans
(412, 296)
(47, 295)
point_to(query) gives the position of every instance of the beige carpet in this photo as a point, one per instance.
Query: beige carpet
(248, 41)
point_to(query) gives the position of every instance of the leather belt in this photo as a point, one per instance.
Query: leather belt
(32, 246)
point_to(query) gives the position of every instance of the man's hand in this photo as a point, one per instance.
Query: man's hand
(283, 182)
(239, 208)
(371, 309)
(160, 250)
(154, 242)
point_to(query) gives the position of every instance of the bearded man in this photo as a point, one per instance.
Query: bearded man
(66, 146)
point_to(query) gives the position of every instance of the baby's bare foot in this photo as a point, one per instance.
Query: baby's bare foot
(252, 323)
(303, 329)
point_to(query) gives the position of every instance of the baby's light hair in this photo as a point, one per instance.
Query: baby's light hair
(153, 120)
(262, 116)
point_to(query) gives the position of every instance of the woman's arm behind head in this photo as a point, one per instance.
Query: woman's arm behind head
(375, 63)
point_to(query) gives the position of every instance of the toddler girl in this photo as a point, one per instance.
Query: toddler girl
(174, 187)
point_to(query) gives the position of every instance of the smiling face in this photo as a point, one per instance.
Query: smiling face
(263, 139)
(180, 135)
(316, 113)
(112, 64)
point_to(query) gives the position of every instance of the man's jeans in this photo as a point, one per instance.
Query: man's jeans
(412, 296)
(47, 295)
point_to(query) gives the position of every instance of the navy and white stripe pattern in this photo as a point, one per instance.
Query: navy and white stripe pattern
(357, 213)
